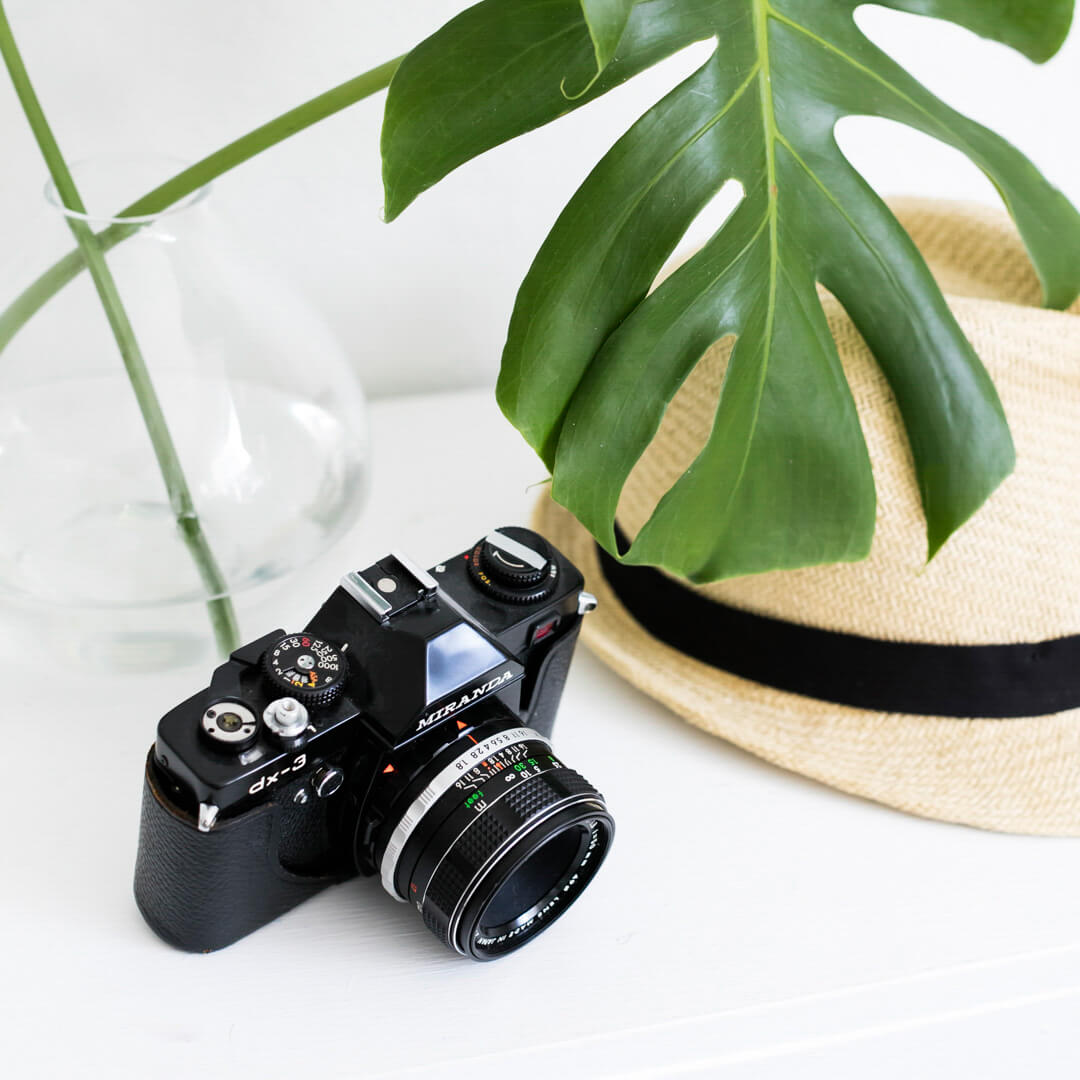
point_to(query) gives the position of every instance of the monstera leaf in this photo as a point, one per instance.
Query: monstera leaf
(607, 21)
(593, 357)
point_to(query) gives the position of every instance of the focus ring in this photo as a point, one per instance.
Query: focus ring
(486, 834)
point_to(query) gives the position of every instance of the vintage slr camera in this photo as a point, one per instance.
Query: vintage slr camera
(404, 732)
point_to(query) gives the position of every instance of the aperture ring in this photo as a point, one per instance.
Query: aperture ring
(438, 787)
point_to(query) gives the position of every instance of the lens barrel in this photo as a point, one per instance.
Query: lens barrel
(501, 839)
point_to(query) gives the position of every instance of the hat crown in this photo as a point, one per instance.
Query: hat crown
(1012, 573)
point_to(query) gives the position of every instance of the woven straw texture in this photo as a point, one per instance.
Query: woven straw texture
(1011, 574)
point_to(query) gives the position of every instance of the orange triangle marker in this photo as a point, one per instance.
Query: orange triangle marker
(461, 725)
(388, 769)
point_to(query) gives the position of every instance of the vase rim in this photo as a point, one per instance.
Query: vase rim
(163, 166)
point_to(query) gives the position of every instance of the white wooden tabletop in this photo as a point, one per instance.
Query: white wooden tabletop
(748, 923)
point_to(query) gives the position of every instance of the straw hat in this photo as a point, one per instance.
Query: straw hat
(987, 736)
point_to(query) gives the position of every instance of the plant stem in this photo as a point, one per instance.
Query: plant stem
(19, 311)
(219, 605)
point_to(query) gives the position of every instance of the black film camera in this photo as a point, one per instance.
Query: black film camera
(404, 732)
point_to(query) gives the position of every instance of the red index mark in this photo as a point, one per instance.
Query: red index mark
(473, 738)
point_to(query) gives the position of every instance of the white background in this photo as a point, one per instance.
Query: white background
(183, 78)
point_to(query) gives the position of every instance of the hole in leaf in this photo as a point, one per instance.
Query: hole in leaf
(682, 435)
(711, 219)
(898, 160)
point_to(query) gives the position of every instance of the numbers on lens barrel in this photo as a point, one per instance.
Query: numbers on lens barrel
(502, 767)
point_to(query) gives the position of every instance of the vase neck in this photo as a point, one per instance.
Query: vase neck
(108, 183)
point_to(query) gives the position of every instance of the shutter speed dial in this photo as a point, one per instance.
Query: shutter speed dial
(513, 564)
(305, 668)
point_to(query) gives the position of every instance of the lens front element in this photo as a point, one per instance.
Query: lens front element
(498, 845)
(533, 884)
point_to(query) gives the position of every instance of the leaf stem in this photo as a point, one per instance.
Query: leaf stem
(222, 616)
(178, 187)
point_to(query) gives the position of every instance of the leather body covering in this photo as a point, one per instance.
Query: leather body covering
(202, 891)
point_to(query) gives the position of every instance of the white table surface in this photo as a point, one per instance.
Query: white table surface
(748, 922)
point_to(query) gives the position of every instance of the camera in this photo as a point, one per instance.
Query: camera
(404, 732)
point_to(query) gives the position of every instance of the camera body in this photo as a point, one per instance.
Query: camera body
(405, 732)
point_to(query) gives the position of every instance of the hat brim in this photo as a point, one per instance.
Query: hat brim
(1017, 775)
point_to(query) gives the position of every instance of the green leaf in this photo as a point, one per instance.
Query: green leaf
(593, 358)
(607, 21)
(498, 70)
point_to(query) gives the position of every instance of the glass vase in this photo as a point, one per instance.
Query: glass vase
(264, 410)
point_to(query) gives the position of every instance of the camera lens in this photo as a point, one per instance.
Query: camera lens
(497, 840)
(531, 886)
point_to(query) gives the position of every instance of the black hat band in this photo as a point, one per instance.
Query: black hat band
(920, 679)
